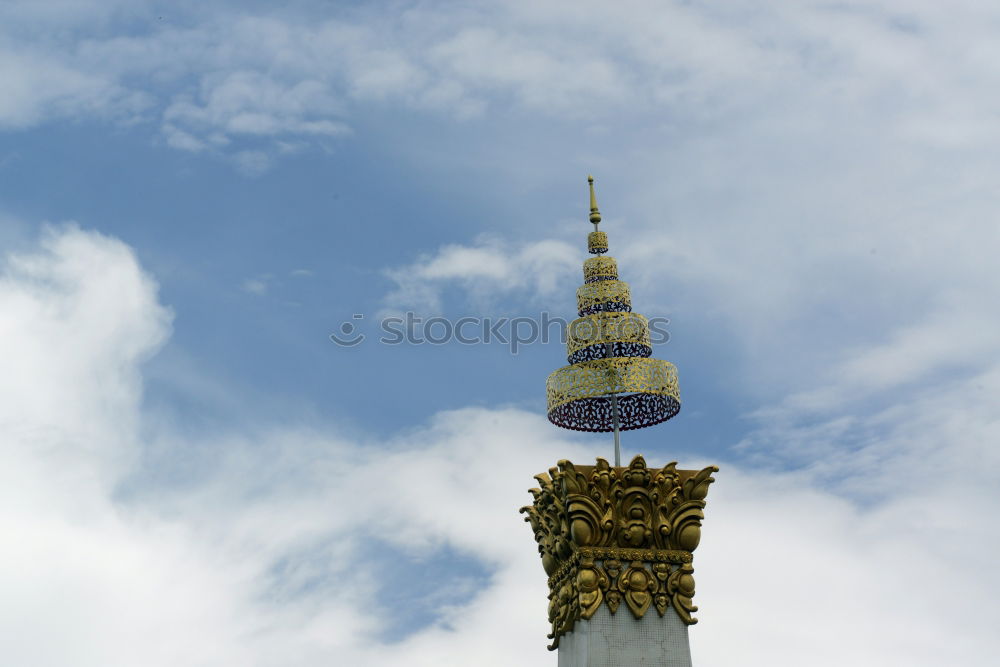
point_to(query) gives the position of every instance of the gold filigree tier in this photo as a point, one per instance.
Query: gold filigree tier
(603, 328)
(579, 394)
(597, 243)
(600, 268)
(608, 535)
(603, 296)
(607, 328)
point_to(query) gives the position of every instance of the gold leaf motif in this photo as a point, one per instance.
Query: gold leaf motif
(591, 583)
(614, 599)
(680, 587)
(637, 586)
(661, 600)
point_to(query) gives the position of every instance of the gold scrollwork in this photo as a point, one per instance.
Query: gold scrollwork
(600, 268)
(615, 375)
(597, 242)
(613, 327)
(680, 588)
(603, 294)
(589, 520)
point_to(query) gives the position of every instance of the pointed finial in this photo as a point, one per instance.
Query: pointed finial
(595, 215)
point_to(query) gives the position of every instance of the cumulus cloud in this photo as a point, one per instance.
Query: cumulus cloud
(136, 546)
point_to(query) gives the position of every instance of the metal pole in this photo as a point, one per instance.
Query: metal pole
(614, 416)
(615, 419)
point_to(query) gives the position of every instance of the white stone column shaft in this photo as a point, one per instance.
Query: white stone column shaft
(621, 640)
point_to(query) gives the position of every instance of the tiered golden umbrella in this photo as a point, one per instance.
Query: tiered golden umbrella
(611, 383)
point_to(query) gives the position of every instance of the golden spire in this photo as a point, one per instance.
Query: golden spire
(597, 242)
(595, 215)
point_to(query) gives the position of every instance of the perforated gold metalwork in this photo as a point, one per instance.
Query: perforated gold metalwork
(615, 375)
(597, 243)
(600, 268)
(615, 327)
(603, 296)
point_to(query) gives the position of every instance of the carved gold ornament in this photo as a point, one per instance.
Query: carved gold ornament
(613, 535)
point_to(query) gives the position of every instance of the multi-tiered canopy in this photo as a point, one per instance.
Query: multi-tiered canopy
(611, 382)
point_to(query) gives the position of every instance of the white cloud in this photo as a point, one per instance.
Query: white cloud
(80, 316)
(37, 88)
(210, 77)
(257, 553)
(856, 289)
(485, 270)
(251, 103)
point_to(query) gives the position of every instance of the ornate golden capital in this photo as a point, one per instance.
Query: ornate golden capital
(618, 534)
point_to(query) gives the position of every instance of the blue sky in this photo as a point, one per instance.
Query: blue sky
(194, 196)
